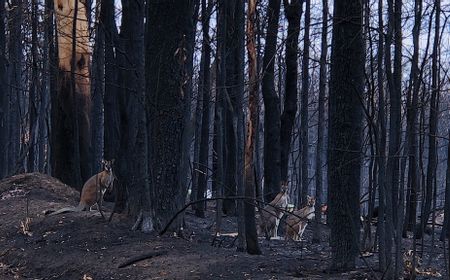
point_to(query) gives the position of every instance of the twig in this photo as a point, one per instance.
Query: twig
(141, 258)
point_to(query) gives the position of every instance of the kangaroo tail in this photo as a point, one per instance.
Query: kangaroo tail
(79, 208)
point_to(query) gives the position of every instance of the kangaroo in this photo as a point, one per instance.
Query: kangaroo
(296, 224)
(93, 190)
(271, 214)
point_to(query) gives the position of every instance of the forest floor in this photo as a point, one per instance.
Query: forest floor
(84, 246)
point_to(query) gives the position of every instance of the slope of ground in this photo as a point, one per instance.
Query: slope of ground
(84, 246)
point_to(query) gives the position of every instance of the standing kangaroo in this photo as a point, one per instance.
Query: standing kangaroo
(93, 190)
(273, 212)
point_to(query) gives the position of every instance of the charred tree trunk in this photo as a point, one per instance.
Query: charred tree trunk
(344, 141)
(71, 107)
(383, 239)
(4, 96)
(239, 123)
(411, 115)
(204, 91)
(111, 122)
(218, 145)
(445, 228)
(33, 92)
(98, 70)
(293, 10)
(132, 157)
(15, 48)
(393, 195)
(232, 88)
(169, 28)
(43, 117)
(304, 109)
(433, 120)
(272, 122)
(250, 225)
(320, 126)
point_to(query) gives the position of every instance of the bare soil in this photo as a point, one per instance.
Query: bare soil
(84, 246)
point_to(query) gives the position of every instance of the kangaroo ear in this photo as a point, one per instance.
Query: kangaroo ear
(103, 161)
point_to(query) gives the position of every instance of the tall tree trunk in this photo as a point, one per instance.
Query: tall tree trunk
(321, 117)
(250, 225)
(395, 93)
(111, 117)
(15, 48)
(98, 90)
(43, 129)
(218, 145)
(293, 10)
(344, 141)
(433, 118)
(411, 115)
(133, 164)
(231, 103)
(34, 89)
(239, 123)
(204, 91)
(381, 153)
(446, 226)
(71, 107)
(4, 97)
(169, 28)
(272, 123)
(304, 109)
(393, 196)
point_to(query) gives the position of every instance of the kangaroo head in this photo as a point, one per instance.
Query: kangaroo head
(310, 201)
(284, 186)
(108, 165)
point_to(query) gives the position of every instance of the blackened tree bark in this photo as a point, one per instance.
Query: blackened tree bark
(293, 10)
(204, 91)
(249, 165)
(15, 47)
(230, 105)
(320, 129)
(4, 100)
(33, 91)
(394, 79)
(71, 106)
(445, 228)
(304, 109)
(433, 119)
(132, 158)
(381, 151)
(218, 142)
(272, 122)
(239, 120)
(111, 127)
(44, 106)
(395, 94)
(168, 29)
(411, 124)
(345, 128)
(98, 75)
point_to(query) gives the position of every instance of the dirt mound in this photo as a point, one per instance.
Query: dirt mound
(34, 183)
